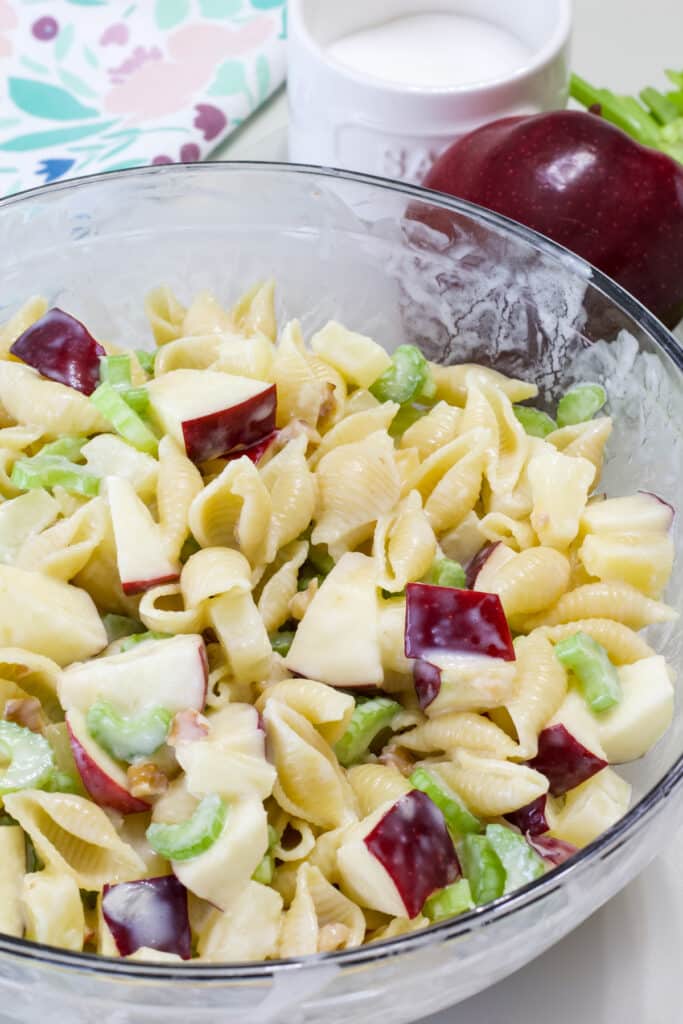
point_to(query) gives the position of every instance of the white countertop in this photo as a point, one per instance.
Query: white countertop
(623, 966)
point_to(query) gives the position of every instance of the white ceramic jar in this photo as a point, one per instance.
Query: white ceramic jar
(347, 118)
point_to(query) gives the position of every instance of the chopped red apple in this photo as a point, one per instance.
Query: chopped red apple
(150, 913)
(590, 809)
(462, 682)
(398, 856)
(554, 851)
(563, 760)
(61, 348)
(141, 551)
(637, 513)
(104, 779)
(212, 413)
(644, 713)
(338, 639)
(442, 619)
(255, 452)
(159, 673)
(531, 819)
(485, 566)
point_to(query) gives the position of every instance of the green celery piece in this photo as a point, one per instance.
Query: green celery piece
(449, 902)
(264, 872)
(661, 106)
(31, 762)
(597, 677)
(368, 720)
(62, 782)
(320, 558)
(124, 738)
(48, 471)
(404, 418)
(118, 626)
(69, 447)
(133, 639)
(190, 838)
(146, 360)
(281, 641)
(125, 422)
(115, 370)
(535, 422)
(406, 379)
(521, 862)
(580, 404)
(189, 548)
(446, 573)
(459, 820)
(482, 867)
(137, 399)
(307, 572)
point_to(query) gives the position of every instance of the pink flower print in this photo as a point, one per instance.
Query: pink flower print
(116, 35)
(209, 120)
(162, 87)
(138, 57)
(8, 21)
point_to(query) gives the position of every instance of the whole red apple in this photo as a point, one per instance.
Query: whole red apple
(583, 182)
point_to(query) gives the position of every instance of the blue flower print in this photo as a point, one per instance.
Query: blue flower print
(54, 168)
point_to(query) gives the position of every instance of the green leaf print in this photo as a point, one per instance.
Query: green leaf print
(220, 8)
(57, 136)
(48, 101)
(75, 83)
(63, 42)
(169, 13)
(88, 3)
(262, 76)
(230, 79)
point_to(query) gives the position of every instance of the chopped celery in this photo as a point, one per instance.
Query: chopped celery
(404, 418)
(449, 902)
(580, 404)
(320, 558)
(408, 377)
(590, 663)
(29, 756)
(133, 639)
(460, 821)
(137, 399)
(123, 419)
(115, 370)
(446, 573)
(69, 447)
(281, 641)
(483, 869)
(128, 738)
(368, 720)
(535, 422)
(521, 862)
(190, 838)
(264, 872)
(308, 572)
(48, 471)
(118, 626)
(146, 360)
(62, 782)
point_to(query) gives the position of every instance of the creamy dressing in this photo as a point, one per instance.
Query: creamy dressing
(432, 51)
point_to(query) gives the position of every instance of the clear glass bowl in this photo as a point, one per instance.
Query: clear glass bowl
(399, 264)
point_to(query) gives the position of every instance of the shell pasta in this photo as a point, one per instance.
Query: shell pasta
(306, 644)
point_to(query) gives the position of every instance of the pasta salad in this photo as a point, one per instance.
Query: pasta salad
(304, 645)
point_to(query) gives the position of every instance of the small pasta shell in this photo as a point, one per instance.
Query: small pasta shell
(293, 495)
(531, 580)
(328, 709)
(254, 312)
(516, 533)
(205, 315)
(178, 484)
(281, 587)
(165, 314)
(404, 545)
(453, 382)
(234, 509)
(356, 427)
(490, 787)
(192, 353)
(449, 732)
(320, 918)
(433, 430)
(174, 618)
(585, 441)
(622, 644)
(62, 550)
(608, 600)
(375, 784)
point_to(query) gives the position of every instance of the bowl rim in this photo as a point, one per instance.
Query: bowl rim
(534, 892)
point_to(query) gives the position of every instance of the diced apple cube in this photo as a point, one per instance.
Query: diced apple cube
(628, 730)
(590, 809)
(141, 553)
(643, 559)
(636, 513)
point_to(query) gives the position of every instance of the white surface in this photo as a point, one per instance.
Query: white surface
(432, 50)
(623, 966)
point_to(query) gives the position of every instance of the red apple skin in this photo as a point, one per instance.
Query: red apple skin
(458, 621)
(427, 681)
(255, 452)
(564, 761)
(662, 501)
(554, 851)
(531, 819)
(586, 184)
(151, 912)
(413, 845)
(240, 426)
(475, 566)
(104, 790)
(61, 348)
(131, 587)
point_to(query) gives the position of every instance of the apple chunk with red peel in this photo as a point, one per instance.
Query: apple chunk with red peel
(61, 348)
(170, 674)
(141, 553)
(456, 621)
(531, 819)
(554, 851)
(150, 913)
(398, 856)
(211, 413)
(564, 760)
(462, 682)
(104, 779)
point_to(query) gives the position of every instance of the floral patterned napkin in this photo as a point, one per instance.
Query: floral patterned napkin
(99, 85)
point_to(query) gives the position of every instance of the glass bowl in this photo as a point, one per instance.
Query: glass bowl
(400, 264)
